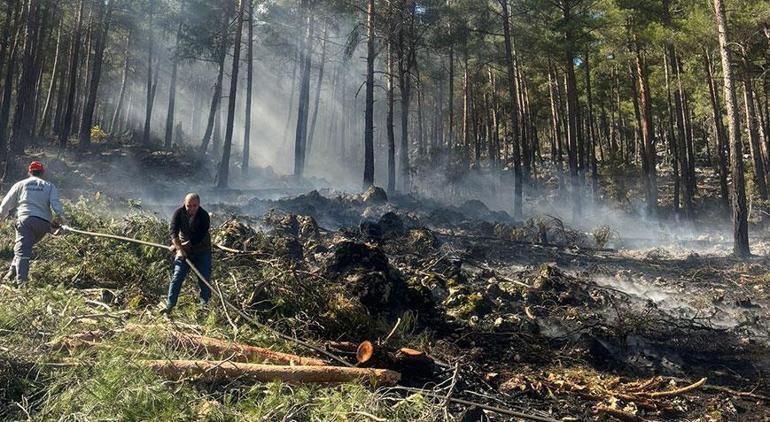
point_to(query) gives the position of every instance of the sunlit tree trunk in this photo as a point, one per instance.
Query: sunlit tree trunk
(224, 164)
(738, 187)
(319, 84)
(249, 81)
(300, 138)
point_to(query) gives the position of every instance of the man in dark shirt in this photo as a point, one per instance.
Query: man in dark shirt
(191, 240)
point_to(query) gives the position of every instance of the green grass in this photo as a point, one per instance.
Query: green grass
(40, 381)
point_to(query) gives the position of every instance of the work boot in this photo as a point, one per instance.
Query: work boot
(164, 311)
(10, 275)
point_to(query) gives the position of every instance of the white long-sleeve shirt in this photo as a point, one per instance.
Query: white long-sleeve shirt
(33, 197)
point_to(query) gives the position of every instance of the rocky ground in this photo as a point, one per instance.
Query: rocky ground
(531, 316)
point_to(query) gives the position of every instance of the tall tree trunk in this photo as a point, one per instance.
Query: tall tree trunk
(321, 63)
(466, 93)
(719, 132)
(55, 76)
(514, 120)
(421, 147)
(10, 71)
(300, 139)
(103, 19)
(683, 157)
(572, 114)
(290, 111)
(556, 154)
(6, 41)
(451, 105)
(738, 187)
(369, 113)
(389, 118)
(215, 99)
(22, 126)
(123, 86)
(249, 81)
(216, 135)
(149, 103)
(406, 62)
(61, 90)
(224, 164)
(591, 133)
(169, 134)
(751, 124)
(66, 123)
(672, 138)
(648, 134)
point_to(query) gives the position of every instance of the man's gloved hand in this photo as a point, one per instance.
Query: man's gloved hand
(181, 254)
(186, 246)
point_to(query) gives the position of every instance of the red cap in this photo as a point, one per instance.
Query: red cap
(35, 166)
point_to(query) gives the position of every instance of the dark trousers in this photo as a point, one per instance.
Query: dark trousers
(29, 231)
(202, 261)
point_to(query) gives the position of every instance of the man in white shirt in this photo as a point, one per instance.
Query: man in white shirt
(33, 198)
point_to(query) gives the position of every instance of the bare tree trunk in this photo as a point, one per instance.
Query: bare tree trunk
(719, 131)
(591, 133)
(405, 86)
(751, 124)
(369, 114)
(215, 99)
(573, 131)
(321, 64)
(290, 111)
(10, 72)
(169, 134)
(148, 106)
(648, 134)
(451, 130)
(389, 119)
(64, 133)
(556, 154)
(738, 189)
(55, 76)
(6, 41)
(103, 19)
(300, 139)
(224, 165)
(123, 85)
(514, 121)
(61, 90)
(22, 126)
(249, 81)
(672, 139)
(421, 148)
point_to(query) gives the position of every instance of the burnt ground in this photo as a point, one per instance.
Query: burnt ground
(527, 315)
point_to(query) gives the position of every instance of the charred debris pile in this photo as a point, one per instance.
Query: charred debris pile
(459, 302)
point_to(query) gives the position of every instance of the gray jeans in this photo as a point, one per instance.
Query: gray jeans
(29, 231)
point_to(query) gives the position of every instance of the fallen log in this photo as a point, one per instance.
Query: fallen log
(238, 352)
(214, 372)
(241, 352)
(341, 347)
(407, 360)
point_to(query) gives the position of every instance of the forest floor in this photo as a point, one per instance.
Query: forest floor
(534, 316)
